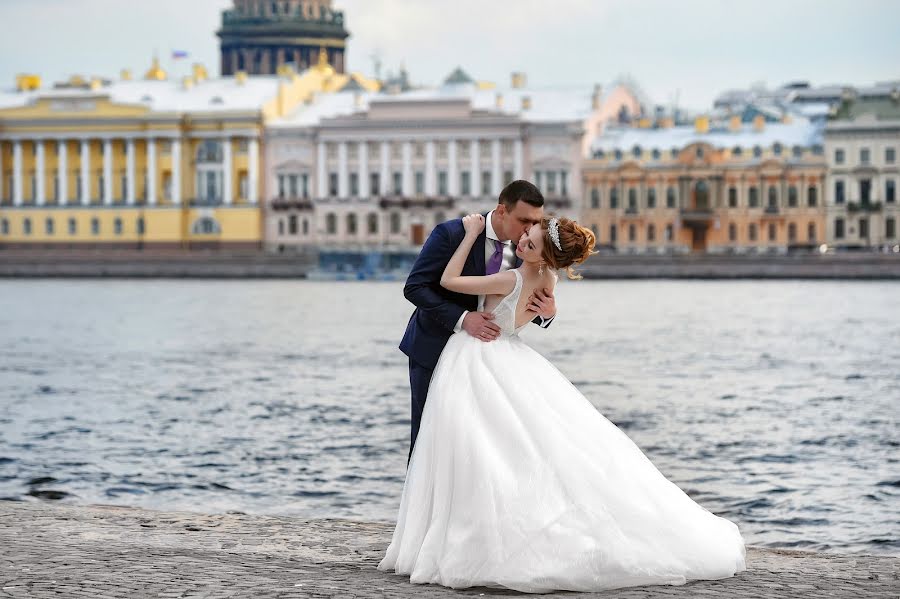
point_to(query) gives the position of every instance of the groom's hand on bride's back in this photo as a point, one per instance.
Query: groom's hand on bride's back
(480, 326)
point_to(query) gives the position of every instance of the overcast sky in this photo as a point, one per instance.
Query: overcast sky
(689, 49)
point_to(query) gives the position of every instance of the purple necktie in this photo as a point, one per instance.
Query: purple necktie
(493, 264)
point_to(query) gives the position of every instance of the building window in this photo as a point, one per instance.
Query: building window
(280, 226)
(73, 226)
(139, 225)
(48, 226)
(753, 197)
(839, 228)
(890, 155)
(811, 196)
(26, 226)
(811, 232)
(117, 226)
(331, 223)
(864, 156)
(537, 179)
(595, 197)
(865, 191)
(282, 191)
(564, 183)
(4, 227)
(890, 228)
(651, 197)
(839, 156)
(420, 183)
(292, 186)
(792, 196)
(395, 223)
(465, 183)
(757, 151)
(612, 234)
(651, 233)
(507, 177)
(292, 224)
(333, 184)
(773, 197)
(777, 148)
(670, 197)
(890, 191)
(864, 228)
(751, 232)
(655, 154)
(398, 184)
(374, 184)
(614, 198)
(772, 232)
(95, 226)
(732, 197)
(486, 183)
(551, 182)
(372, 222)
(306, 226)
(304, 184)
(442, 183)
(351, 224)
(206, 225)
(243, 184)
(797, 151)
(618, 154)
(792, 232)
(636, 151)
(632, 199)
(632, 233)
(732, 232)
(838, 192)
(354, 184)
(670, 232)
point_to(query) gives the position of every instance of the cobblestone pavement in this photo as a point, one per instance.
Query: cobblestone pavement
(54, 550)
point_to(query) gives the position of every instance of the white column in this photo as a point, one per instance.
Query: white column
(39, 175)
(253, 175)
(475, 179)
(17, 173)
(151, 171)
(407, 169)
(107, 172)
(452, 169)
(496, 171)
(227, 193)
(363, 152)
(85, 172)
(385, 176)
(62, 172)
(517, 160)
(430, 172)
(129, 171)
(343, 185)
(321, 175)
(176, 171)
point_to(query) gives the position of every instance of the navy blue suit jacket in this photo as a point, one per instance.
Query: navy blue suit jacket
(438, 309)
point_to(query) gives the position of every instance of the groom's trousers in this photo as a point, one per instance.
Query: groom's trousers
(419, 379)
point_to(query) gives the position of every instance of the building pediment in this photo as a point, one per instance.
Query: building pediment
(59, 108)
(292, 166)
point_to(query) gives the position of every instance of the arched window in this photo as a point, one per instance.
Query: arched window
(773, 197)
(372, 220)
(753, 197)
(595, 197)
(618, 154)
(777, 148)
(351, 223)
(655, 154)
(330, 223)
(48, 226)
(792, 196)
(117, 226)
(206, 225)
(632, 199)
(636, 151)
(737, 151)
(757, 151)
(26, 226)
(293, 224)
(651, 197)
(811, 198)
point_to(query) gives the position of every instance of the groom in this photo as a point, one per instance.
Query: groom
(440, 312)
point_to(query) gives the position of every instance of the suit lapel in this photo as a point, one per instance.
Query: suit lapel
(476, 256)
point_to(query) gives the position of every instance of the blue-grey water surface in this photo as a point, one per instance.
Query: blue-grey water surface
(774, 404)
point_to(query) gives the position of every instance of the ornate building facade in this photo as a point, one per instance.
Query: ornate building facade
(731, 187)
(261, 36)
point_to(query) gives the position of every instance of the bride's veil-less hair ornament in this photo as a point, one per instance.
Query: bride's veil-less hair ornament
(553, 228)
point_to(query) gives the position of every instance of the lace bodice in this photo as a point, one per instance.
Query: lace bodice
(505, 311)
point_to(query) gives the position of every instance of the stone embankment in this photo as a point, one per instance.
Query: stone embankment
(56, 550)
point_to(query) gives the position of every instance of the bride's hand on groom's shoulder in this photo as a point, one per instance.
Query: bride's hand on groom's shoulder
(473, 224)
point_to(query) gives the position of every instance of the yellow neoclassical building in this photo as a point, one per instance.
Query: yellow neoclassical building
(148, 163)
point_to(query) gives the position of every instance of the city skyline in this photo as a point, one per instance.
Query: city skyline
(565, 43)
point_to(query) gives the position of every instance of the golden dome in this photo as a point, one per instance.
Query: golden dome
(155, 72)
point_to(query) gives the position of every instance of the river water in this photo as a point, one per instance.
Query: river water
(772, 403)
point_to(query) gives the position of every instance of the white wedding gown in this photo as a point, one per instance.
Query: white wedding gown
(517, 481)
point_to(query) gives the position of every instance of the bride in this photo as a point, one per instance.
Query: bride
(517, 481)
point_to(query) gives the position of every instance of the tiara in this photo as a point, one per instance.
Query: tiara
(553, 228)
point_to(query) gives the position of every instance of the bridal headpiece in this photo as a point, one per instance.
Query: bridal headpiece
(553, 229)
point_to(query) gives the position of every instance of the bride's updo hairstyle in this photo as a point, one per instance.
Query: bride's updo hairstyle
(577, 245)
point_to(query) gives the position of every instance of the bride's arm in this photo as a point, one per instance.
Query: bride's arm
(501, 283)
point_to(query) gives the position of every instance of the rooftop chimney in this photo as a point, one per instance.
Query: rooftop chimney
(519, 80)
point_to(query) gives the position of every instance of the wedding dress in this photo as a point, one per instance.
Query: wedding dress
(517, 481)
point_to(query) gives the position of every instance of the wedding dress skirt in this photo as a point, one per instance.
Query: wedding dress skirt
(517, 481)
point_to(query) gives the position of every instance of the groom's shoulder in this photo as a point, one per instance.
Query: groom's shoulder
(452, 227)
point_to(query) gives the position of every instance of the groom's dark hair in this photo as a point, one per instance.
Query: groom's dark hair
(521, 191)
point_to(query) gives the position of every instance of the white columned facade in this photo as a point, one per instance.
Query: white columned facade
(253, 175)
(129, 172)
(321, 176)
(517, 160)
(343, 183)
(17, 173)
(452, 169)
(475, 179)
(363, 152)
(430, 170)
(107, 172)
(176, 171)
(62, 172)
(151, 171)
(496, 170)
(40, 194)
(85, 165)
(385, 176)
(227, 193)
(407, 169)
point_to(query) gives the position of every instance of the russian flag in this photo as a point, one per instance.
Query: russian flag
(176, 54)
